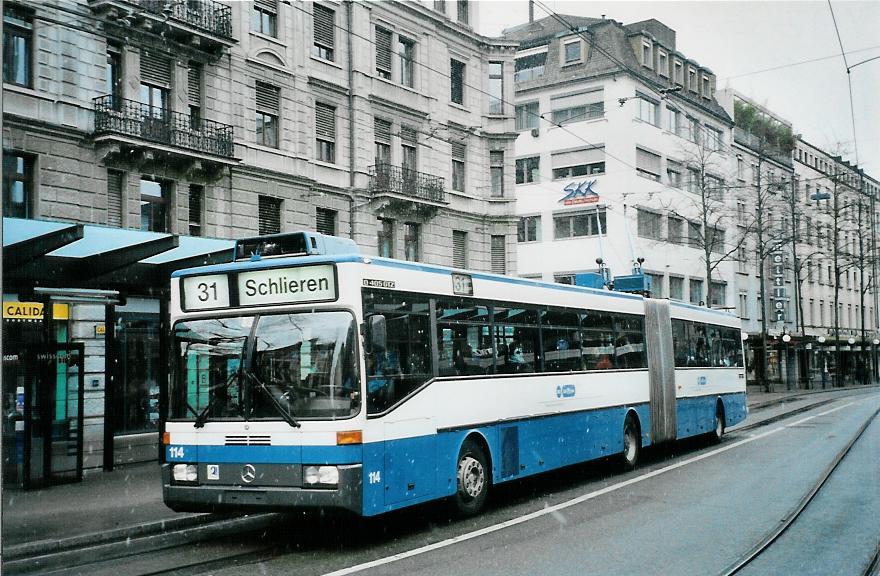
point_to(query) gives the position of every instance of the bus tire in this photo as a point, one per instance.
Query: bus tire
(632, 443)
(472, 479)
(718, 432)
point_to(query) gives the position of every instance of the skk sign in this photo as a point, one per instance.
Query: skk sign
(582, 193)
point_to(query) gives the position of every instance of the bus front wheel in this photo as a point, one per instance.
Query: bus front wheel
(632, 443)
(472, 478)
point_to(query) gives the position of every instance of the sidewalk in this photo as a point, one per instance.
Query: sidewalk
(128, 502)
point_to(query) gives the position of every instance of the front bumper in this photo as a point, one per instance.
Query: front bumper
(234, 497)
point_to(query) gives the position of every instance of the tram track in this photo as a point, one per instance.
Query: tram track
(792, 516)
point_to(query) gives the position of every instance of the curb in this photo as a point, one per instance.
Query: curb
(795, 395)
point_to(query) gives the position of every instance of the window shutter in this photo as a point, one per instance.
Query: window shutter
(458, 150)
(578, 157)
(459, 249)
(325, 221)
(382, 130)
(647, 161)
(268, 97)
(267, 4)
(499, 257)
(114, 198)
(325, 121)
(155, 69)
(194, 84)
(408, 135)
(576, 100)
(325, 20)
(383, 50)
(196, 199)
(269, 215)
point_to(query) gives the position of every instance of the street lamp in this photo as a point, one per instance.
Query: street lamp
(851, 341)
(875, 342)
(823, 366)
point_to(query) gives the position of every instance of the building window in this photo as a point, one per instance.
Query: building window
(692, 80)
(267, 106)
(386, 238)
(135, 406)
(741, 171)
(382, 136)
(676, 288)
(647, 164)
(649, 111)
(674, 230)
(743, 310)
(154, 205)
(529, 67)
(264, 19)
(463, 15)
(325, 221)
(456, 77)
(572, 52)
(459, 153)
(578, 162)
(325, 132)
(406, 51)
(18, 177)
(459, 249)
(714, 188)
(579, 225)
(194, 94)
(383, 53)
(716, 239)
(496, 173)
(679, 72)
(496, 87)
(707, 87)
(656, 284)
(715, 139)
(18, 29)
(650, 224)
(578, 107)
(718, 294)
(528, 229)
(647, 60)
(409, 151)
(673, 173)
(196, 209)
(113, 77)
(440, 6)
(673, 119)
(527, 116)
(695, 235)
(324, 31)
(662, 63)
(527, 170)
(115, 183)
(269, 215)
(498, 255)
(694, 184)
(412, 241)
(696, 292)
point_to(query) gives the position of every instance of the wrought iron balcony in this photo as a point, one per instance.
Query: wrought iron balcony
(143, 122)
(207, 15)
(406, 183)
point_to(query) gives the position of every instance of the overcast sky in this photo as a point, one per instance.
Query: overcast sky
(737, 40)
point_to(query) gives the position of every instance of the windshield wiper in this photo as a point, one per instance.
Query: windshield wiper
(288, 417)
(202, 417)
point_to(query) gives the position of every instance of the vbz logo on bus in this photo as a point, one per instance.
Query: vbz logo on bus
(566, 391)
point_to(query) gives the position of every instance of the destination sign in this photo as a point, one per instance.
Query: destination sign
(287, 285)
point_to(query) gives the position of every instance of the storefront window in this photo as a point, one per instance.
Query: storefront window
(137, 397)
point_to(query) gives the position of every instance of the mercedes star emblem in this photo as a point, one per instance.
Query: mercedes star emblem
(248, 473)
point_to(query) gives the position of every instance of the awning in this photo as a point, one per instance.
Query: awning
(64, 255)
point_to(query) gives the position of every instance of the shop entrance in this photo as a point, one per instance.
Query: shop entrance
(44, 413)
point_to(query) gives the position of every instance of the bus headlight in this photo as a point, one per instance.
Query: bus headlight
(321, 476)
(185, 473)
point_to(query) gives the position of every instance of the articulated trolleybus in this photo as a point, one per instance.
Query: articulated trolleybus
(308, 375)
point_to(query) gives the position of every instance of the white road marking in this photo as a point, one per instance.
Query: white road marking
(568, 503)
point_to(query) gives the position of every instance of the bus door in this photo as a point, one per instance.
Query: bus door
(661, 370)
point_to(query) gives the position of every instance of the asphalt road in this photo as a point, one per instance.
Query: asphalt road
(687, 509)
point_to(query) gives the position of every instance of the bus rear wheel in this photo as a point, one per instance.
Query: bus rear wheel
(472, 475)
(632, 443)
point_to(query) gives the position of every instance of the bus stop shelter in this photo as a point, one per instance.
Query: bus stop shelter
(64, 381)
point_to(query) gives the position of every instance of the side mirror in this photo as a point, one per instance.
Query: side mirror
(376, 337)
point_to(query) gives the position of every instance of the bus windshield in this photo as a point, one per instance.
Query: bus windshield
(270, 367)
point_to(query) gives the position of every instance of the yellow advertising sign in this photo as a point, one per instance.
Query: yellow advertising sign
(33, 311)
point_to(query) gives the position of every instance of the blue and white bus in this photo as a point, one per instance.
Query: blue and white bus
(308, 375)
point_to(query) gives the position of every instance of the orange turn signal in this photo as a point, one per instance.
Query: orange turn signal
(166, 438)
(349, 437)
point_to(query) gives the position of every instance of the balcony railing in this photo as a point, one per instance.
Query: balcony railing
(385, 178)
(207, 15)
(131, 118)
(751, 141)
